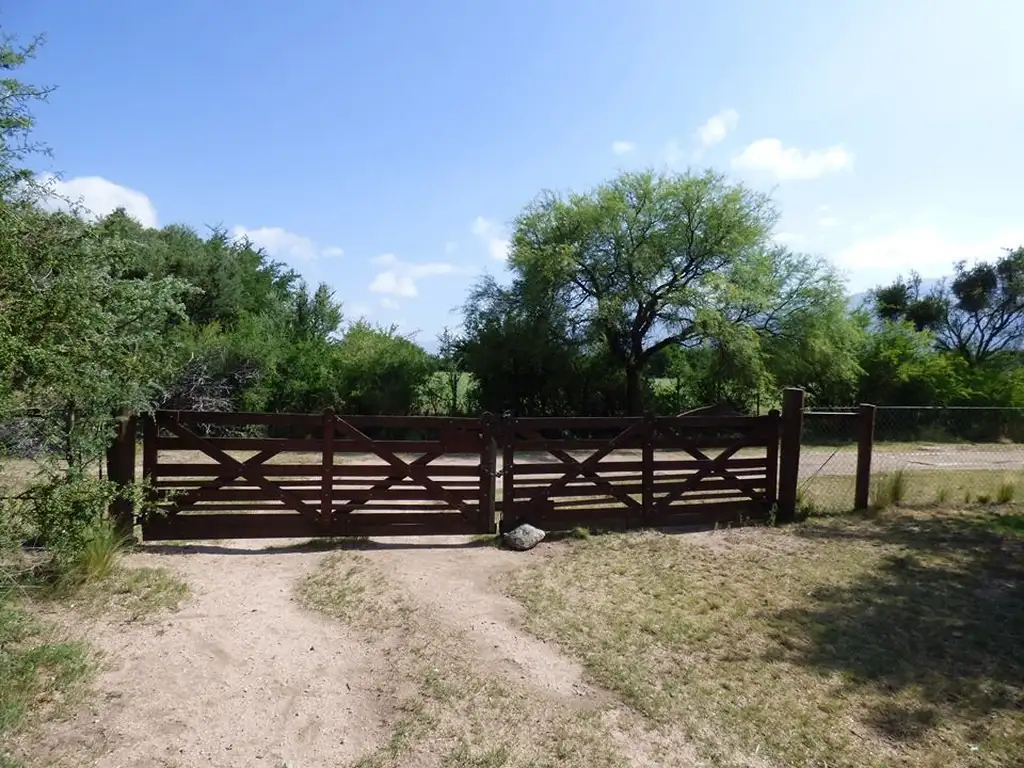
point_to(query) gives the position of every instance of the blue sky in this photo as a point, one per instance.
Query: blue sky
(383, 146)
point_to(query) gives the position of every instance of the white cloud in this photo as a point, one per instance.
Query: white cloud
(389, 303)
(828, 221)
(451, 247)
(718, 127)
(281, 244)
(623, 147)
(399, 277)
(925, 250)
(98, 197)
(790, 163)
(824, 208)
(492, 234)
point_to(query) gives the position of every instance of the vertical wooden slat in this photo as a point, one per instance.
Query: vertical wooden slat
(647, 470)
(772, 456)
(121, 470)
(865, 447)
(150, 456)
(791, 426)
(327, 469)
(488, 474)
(508, 455)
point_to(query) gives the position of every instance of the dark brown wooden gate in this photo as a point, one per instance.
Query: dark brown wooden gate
(634, 472)
(263, 475)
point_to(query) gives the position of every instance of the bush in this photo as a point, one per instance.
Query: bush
(68, 515)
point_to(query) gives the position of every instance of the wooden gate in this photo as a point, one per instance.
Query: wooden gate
(634, 472)
(316, 475)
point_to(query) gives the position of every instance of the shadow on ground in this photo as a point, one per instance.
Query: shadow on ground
(937, 627)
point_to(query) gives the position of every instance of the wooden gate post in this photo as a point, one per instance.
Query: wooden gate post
(488, 472)
(647, 472)
(865, 447)
(327, 470)
(508, 457)
(121, 470)
(791, 428)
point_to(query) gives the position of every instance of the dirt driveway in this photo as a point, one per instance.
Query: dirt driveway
(245, 675)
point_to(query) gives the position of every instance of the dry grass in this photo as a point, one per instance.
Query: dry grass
(447, 710)
(892, 641)
(914, 488)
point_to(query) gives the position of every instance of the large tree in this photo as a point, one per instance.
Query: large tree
(649, 261)
(978, 315)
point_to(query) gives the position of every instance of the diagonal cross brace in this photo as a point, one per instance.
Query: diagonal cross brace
(586, 467)
(586, 473)
(241, 469)
(359, 498)
(407, 469)
(221, 480)
(714, 466)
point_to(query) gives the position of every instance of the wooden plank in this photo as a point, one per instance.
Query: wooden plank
(772, 463)
(225, 526)
(327, 467)
(636, 488)
(343, 497)
(632, 466)
(208, 469)
(488, 478)
(468, 444)
(357, 484)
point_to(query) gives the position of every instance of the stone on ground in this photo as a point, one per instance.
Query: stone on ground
(523, 537)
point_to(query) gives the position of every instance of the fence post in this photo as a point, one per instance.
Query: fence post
(772, 457)
(865, 447)
(791, 428)
(647, 471)
(327, 470)
(121, 470)
(508, 456)
(488, 473)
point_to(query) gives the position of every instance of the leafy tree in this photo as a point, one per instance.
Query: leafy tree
(380, 371)
(650, 261)
(978, 315)
(16, 119)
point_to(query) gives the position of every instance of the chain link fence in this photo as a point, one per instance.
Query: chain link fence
(922, 456)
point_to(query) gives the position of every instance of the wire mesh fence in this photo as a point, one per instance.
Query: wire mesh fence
(921, 456)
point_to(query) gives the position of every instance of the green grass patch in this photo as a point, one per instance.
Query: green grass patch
(885, 641)
(39, 671)
(823, 494)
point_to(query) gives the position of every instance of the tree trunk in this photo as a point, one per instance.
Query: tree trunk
(634, 390)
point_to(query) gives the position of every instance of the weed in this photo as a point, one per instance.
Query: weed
(889, 490)
(942, 495)
(1006, 492)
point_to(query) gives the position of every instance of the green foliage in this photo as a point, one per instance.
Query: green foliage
(381, 371)
(68, 515)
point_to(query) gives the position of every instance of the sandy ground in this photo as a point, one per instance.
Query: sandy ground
(243, 675)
